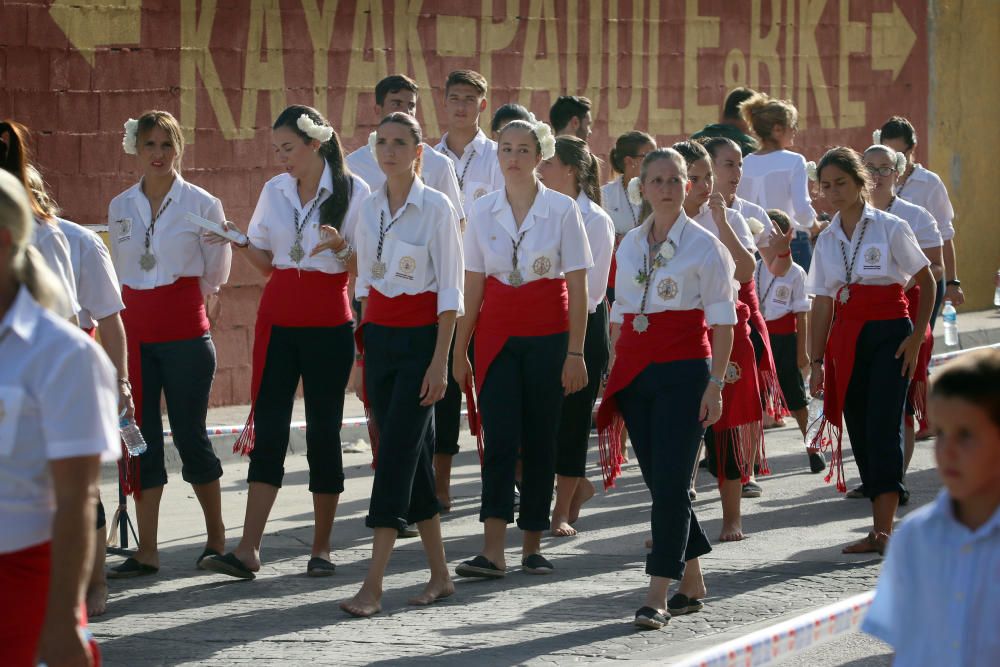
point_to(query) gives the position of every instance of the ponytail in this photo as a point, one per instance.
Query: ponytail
(575, 154)
(31, 270)
(590, 182)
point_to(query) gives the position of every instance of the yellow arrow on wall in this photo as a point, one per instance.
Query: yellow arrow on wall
(92, 23)
(892, 40)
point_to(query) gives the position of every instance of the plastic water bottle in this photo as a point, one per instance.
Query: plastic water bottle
(131, 436)
(950, 318)
(814, 420)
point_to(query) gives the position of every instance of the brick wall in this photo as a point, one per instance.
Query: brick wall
(74, 71)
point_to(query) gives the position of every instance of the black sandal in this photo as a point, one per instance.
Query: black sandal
(207, 553)
(480, 567)
(650, 619)
(130, 569)
(536, 564)
(320, 567)
(681, 604)
(228, 564)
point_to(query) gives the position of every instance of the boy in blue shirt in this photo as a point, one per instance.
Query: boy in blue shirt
(938, 597)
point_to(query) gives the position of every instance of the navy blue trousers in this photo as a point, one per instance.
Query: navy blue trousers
(396, 360)
(660, 408)
(519, 403)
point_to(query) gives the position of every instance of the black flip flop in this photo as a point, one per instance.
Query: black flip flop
(207, 553)
(320, 567)
(480, 567)
(130, 569)
(681, 604)
(536, 564)
(650, 619)
(228, 564)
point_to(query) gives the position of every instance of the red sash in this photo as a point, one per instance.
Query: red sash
(292, 298)
(742, 420)
(867, 303)
(405, 310)
(160, 315)
(673, 335)
(24, 579)
(536, 308)
(786, 324)
(918, 385)
(767, 374)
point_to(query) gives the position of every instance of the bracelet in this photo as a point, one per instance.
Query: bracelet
(125, 382)
(575, 354)
(954, 282)
(345, 253)
(782, 255)
(818, 361)
(718, 382)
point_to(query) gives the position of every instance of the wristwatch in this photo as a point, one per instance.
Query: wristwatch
(954, 282)
(718, 382)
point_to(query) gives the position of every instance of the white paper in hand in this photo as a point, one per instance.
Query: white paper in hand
(234, 235)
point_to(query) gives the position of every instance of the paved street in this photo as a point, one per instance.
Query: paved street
(790, 563)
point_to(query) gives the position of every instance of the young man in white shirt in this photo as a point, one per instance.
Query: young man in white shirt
(399, 93)
(571, 115)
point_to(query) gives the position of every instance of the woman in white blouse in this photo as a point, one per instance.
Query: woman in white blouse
(167, 271)
(575, 171)
(775, 177)
(734, 443)
(921, 186)
(300, 239)
(883, 165)
(527, 256)
(410, 280)
(50, 241)
(666, 380)
(57, 422)
(864, 361)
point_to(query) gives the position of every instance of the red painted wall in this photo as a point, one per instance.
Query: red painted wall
(74, 71)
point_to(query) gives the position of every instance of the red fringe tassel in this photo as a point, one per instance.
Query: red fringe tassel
(128, 474)
(747, 440)
(829, 438)
(609, 446)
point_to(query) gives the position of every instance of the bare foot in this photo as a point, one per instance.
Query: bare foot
(584, 492)
(624, 452)
(97, 600)
(872, 543)
(251, 558)
(561, 528)
(434, 591)
(731, 532)
(362, 605)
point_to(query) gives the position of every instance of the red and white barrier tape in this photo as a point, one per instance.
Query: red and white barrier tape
(778, 642)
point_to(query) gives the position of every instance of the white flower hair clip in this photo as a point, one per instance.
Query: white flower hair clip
(130, 136)
(546, 140)
(811, 171)
(900, 163)
(877, 137)
(372, 138)
(634, 193)
(313, 130)
(755, 225)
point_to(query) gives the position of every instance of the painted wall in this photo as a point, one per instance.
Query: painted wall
(75, 70)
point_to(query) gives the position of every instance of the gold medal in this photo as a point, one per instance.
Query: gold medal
(640, 323)
(147, 261)
(516, 279)
(378, 270)
(296, 253)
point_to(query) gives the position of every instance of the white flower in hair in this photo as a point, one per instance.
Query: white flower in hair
(634, 193)
(900, 163)
(546, 140)
(372, 138)
(811, 171)
(877, 137)
(313, 130)
(755, 225)
(129, 138)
